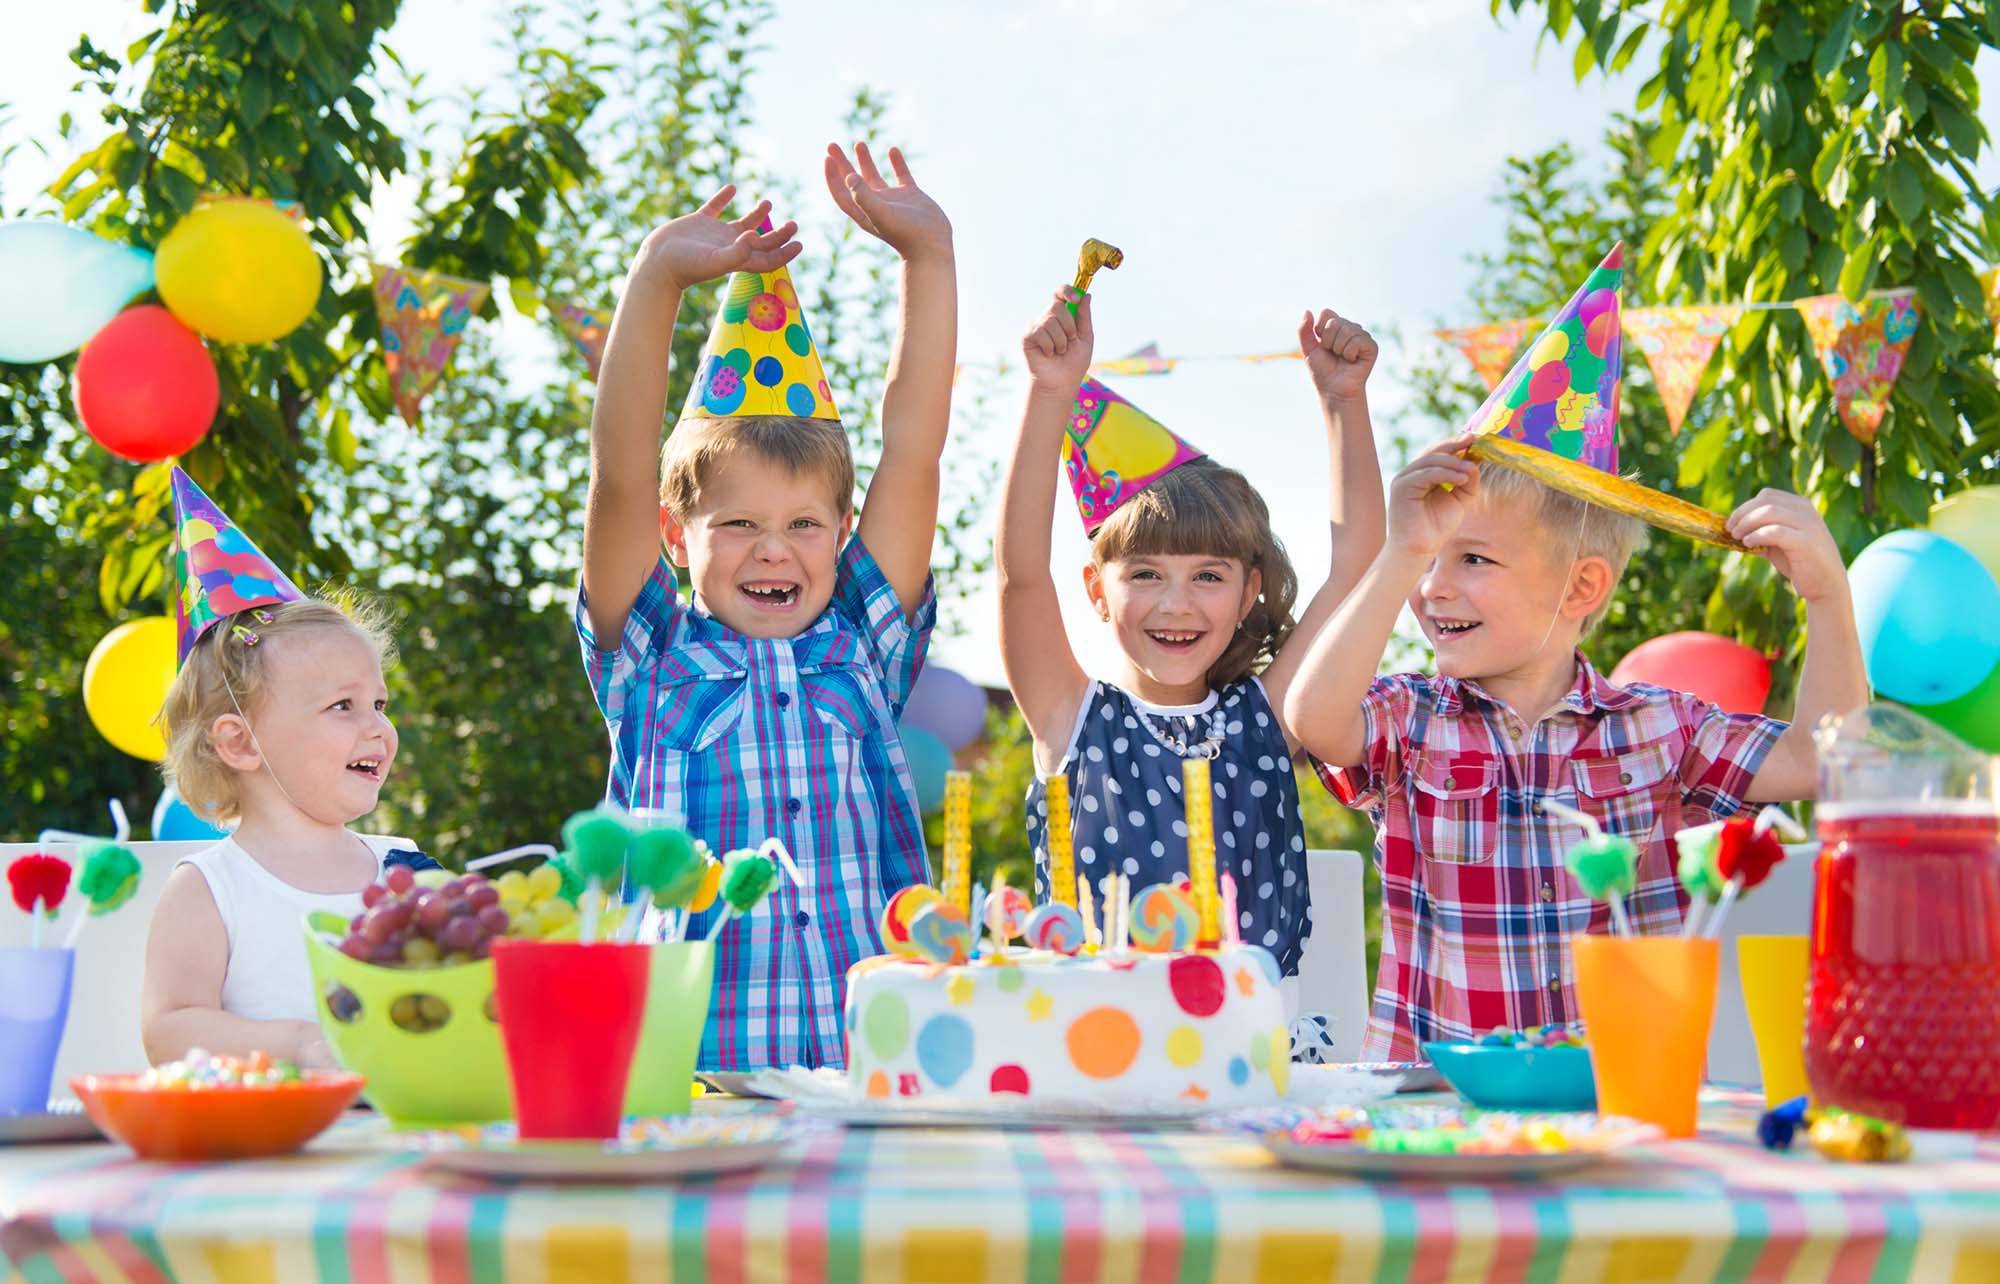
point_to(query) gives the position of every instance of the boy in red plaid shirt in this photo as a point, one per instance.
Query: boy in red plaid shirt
(1506, 576)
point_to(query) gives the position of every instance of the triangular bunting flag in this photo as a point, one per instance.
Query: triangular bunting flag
(1678, 343)
(1114, 450)
(586, 329)
(217, 570)
(423, 315)
(1490, 348)
(1144, 361)
(1861, 348)
(1992, 283)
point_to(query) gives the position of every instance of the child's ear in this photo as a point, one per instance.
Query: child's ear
(674, 536)
(230, 735)
(1093, 587)
(1253, 585)
(1590, 583)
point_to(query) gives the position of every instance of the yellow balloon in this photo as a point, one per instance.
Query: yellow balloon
(1554, 346)
(1971, 520)
(238, 271)
(125, 682)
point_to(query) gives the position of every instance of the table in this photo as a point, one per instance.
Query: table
(972, 1205)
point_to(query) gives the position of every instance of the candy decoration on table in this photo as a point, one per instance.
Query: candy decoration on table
(1093, 937)
(1745, 854)
(423, 315)
(896, 916)
(666, 866)
(596, 843)
(202, 1070)
(38, 881)
(1164, 920)
(1006, 913)
(760, 358)
(1604, 865)
(958, 840)
(1062, 858)
(1861, 347)
(1777, 1127)
(1094, 255)
(110, 872)
(1541, 1036)
(1697, 846)
(942, 934)
(218, 571)
(1555, 416)
(1857, 1139)
(1114, 450)
(747, 878)
(1198, 791)
(1056, 927)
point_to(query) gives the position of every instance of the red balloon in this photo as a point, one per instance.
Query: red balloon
(1720, 670)
(145, 387)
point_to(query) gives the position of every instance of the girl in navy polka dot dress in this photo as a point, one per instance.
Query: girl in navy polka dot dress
(1198, 593)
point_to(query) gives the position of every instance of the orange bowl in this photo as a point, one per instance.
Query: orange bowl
(215, 1123)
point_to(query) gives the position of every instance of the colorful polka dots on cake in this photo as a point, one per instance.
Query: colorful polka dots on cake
(1008, 1078)
(1184, 1046)
(1197, 984)
(1103, 1042)
(885, 1025)
(944, 1049)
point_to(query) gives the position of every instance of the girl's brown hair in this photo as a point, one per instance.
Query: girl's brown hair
(1205, 509)
(226, 672)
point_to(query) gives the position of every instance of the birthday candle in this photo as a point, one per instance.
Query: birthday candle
(958, 839)
(1062, 863)
(1091, 937)
(1231, 934)
(1195, 789)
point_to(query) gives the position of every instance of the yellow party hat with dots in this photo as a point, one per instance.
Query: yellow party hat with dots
(760, 358)
(1114, 450)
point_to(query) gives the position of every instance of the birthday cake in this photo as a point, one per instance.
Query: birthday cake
(1126, 1032)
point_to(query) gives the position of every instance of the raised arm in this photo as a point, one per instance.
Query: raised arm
(1339, 355)
(1323, 704)
(621, 515)
(1042, 671)
(916, 399)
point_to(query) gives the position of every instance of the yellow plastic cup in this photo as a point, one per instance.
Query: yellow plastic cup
(1647, 1005)
(1774, 971)
(677, 995)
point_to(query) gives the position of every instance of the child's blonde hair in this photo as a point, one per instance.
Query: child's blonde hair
(1205, 509)
(1592, 530)
(804, 447)
(226, 672)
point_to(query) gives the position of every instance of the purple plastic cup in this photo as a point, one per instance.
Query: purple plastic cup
(34, 1005)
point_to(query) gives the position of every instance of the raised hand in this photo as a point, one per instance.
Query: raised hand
(1339, 353)
(1058, 346)
(1789, 532)
(704, 245)
(1423, 514)
(900, 213)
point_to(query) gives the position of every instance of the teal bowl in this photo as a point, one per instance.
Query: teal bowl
(1518, 1078)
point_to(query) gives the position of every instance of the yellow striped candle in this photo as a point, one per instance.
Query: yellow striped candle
(958, 839)
(1196, 791)
(1062, 861)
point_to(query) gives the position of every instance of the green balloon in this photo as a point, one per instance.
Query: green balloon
(1973, 717)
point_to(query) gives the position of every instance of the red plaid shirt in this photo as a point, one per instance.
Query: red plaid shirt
(1477, 909)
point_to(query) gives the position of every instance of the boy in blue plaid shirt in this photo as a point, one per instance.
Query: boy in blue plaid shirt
(766, 706)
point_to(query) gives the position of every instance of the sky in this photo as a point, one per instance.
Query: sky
(1252, 160)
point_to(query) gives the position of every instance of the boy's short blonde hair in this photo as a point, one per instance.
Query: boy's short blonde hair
(804, 447)
(226, 673)
(1592, 531)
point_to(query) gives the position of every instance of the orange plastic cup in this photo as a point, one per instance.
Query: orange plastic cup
(1647, 1005)
(1774, 971)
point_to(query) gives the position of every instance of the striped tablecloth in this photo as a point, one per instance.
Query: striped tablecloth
(981, 1205)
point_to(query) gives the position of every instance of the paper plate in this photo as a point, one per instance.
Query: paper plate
(1360, 1162)
(64, 1120)
(646, 1150)
(733, 1084)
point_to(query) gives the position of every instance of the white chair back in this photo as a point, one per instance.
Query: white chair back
(1333, 971)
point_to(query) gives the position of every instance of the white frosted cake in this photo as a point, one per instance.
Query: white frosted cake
(1128, 1032)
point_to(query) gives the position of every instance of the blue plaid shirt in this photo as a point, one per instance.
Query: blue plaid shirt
(751, 738)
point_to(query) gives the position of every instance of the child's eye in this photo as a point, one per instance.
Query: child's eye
(1474, 559)
(1208, 576)
(343, 705)
(1145, 575)
(381, 706)
(804, 523)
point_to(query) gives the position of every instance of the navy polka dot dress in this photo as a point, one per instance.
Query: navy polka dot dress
(1126, 813)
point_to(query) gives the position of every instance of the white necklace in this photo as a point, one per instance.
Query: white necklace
(1210, 747)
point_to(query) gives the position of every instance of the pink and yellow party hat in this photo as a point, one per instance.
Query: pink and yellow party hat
(1555, 415)
(1113, 450)
(217, 570)
(760, 358)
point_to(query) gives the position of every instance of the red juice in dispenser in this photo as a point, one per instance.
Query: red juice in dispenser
(1903, 1013)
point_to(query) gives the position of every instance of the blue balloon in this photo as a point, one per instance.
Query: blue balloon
(175, 822)
(63, 284)
(929, 760)
(948, 705)
(1929, 616)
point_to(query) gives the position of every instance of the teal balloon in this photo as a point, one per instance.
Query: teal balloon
(175, 822)
(929, 760)
(1929, 616)
(62, 285)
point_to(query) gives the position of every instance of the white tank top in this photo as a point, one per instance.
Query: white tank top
(263, 916)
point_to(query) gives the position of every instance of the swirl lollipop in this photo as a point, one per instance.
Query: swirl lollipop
(1604, 865)
(942, 934)
(1164, 920)
(1055, 927)
(896, 916)
(1006, 913)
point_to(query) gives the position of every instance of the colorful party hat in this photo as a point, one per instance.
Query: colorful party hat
(1555, 415)
(217, 569)
(760, 358)
(1114, 450)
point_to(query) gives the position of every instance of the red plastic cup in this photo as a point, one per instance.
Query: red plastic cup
(569, 1017)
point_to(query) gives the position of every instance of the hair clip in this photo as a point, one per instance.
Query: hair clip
(244, 635)
(263, 616)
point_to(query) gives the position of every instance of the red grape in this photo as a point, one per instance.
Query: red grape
(481, 896)
(400, 879)
(389, 953)
(371, 894)
(482, 950)
(354, 924)
(433, 914)
(453, 889)
(376, 926)
(357, 947)
(459, 934)
(492, 920)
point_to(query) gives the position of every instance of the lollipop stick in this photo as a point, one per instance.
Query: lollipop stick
(1730, 891)
(512, 853)
(1697, 910)
(720, 921)
(629, 930)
